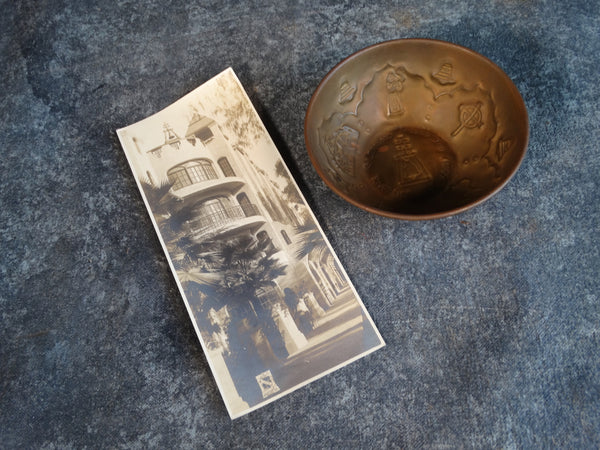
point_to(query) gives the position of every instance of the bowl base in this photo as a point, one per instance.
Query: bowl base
(409, 167)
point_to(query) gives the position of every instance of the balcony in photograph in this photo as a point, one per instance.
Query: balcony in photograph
(200, 177)
(226, 221)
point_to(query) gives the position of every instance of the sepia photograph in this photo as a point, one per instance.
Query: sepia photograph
(271, 304)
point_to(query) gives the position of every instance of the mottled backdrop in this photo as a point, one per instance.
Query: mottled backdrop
(491, 317)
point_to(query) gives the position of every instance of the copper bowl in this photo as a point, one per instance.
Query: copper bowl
(416, 129)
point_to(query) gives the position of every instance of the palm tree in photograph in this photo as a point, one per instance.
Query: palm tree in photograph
(309, 239)
(246, 268)
(171, 215)
(238, 273)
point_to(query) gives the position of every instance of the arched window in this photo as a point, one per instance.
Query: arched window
(264, 242)
(191, 172)
(226, 167)
(215, 207)
(286, 238)
(213, 213)
(247, 207)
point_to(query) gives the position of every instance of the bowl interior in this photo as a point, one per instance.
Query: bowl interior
(416, 128)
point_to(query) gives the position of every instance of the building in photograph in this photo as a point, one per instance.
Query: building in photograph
(225, 195)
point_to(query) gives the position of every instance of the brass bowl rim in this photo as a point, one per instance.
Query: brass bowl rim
(520, 104)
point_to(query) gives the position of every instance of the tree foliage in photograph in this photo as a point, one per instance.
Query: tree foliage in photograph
(309, 239)
(246, 267)
(238, 114)
(290, 191)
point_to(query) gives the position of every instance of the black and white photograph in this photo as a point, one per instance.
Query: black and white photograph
(271, 304)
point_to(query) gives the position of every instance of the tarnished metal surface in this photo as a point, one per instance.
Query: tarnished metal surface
(416, 129)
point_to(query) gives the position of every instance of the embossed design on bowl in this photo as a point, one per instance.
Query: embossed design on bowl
(416, 129)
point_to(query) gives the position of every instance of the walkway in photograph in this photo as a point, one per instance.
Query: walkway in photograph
(337, 337)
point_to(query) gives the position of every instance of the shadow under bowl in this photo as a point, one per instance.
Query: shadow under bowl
(416, 129)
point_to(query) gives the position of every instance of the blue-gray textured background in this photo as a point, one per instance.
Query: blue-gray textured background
(491, 317)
